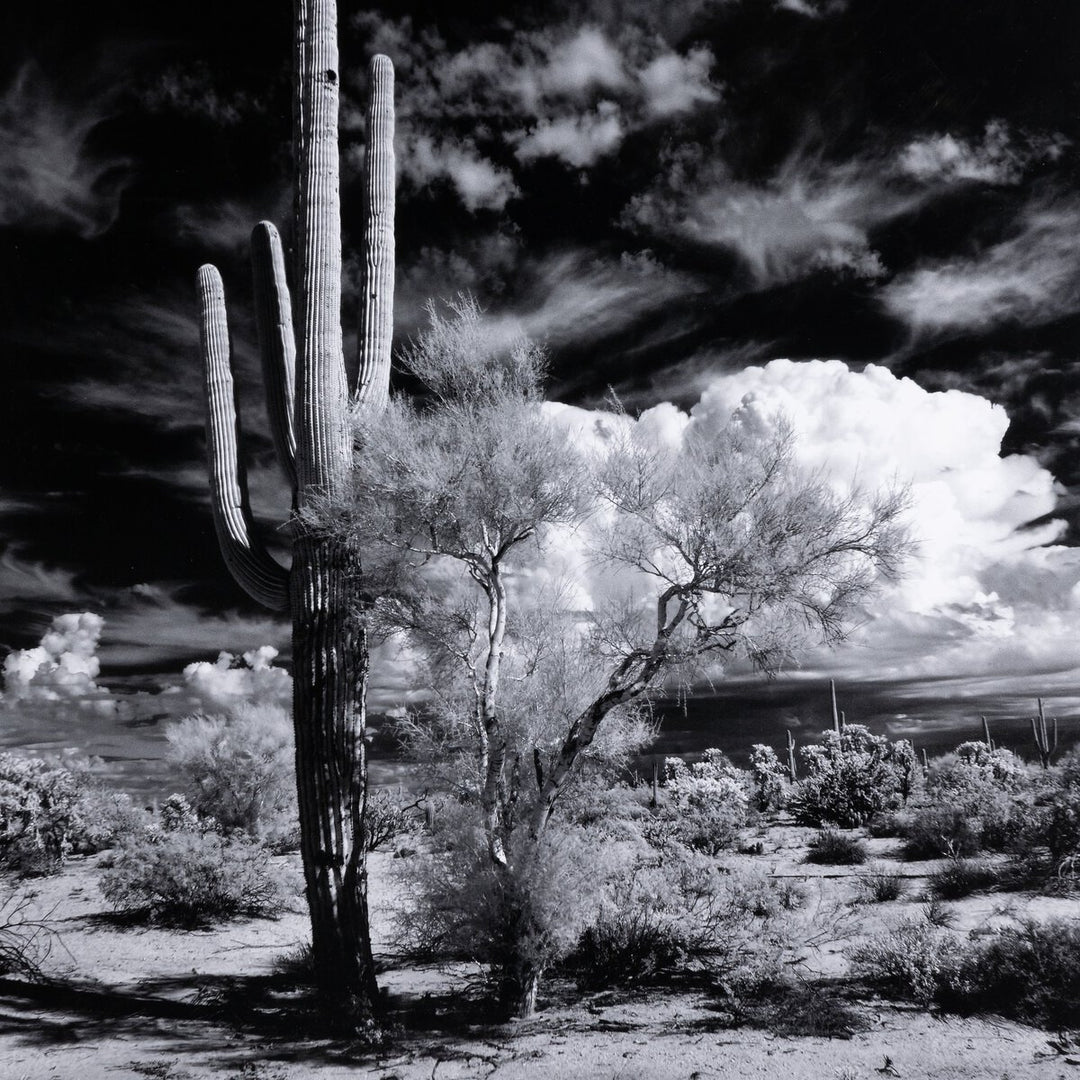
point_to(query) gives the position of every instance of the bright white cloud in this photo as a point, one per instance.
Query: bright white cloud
(480, 184)
(974, 594)
(572, 91)
(62, 670)
(579, 140)
(1032, 277)
(985, 593)
(1000, 158)
(676, 84)
(231, 680)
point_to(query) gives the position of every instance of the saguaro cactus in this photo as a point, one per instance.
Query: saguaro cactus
(309, 396)
(1044, 742)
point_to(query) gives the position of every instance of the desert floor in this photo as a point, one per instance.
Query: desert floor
(130, 1001)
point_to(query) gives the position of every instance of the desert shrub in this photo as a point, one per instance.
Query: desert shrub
(191, 877)
(708, 802)
(389, 815)
(49, 810)
(972, 759)
(913, 961)
(239, 769)
(513, 918)
(679, 915)
(618, 813)
(771, 780)
(25, 942)
(936, 913)
(1050, 845)
(852, 775)
(961, 877)
(833, 848)
(880, 886)
(1029, 972)
(976, 799)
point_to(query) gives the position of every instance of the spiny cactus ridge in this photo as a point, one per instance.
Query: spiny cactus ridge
(310, 392)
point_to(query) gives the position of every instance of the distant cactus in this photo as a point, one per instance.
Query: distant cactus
(310, 389)
(986, 733)
(1044, 742)
(793, 772)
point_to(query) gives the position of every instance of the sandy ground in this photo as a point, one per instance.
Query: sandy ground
(144, 1002)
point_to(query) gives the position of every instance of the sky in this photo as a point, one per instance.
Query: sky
(863, 213)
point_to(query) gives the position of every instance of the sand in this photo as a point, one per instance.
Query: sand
(132, 1001)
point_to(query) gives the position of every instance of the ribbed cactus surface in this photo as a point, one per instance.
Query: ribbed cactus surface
(307, 391)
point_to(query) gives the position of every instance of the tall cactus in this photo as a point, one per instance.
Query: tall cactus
(309, 395)
(1046, 745)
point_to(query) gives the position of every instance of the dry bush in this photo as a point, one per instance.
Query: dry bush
(191, 877)
(913, 961)
(530, 912)
(239, 769)
(881, 885)
(1029, 972)
(25, 943)
(676, 914)
(976, 799)
(833, 848)
(961, 877)
(52, 808)
(851, 776)
(707, 803)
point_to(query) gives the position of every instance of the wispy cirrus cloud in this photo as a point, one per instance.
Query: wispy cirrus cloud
(51, 177)
(1031, 277)
(812, 215)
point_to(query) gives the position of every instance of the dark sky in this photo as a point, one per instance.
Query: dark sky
(667, 194)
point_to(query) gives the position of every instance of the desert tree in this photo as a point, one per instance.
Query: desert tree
(310, 389)
(707, 547)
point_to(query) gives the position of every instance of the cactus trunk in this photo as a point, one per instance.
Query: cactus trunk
(308, 400)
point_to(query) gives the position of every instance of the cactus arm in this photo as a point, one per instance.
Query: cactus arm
(251, 565)
(323, 437)
(276, 340)
(369, 381)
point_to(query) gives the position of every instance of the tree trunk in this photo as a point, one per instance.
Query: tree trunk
(520, 987)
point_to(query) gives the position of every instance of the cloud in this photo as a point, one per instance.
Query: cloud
(811, 216)
(579, 140)
(190, 91)
(62, 670)
(571, 90)
(974, 600)
(567, 297)
(575, 298)
(226, 225)
(986, 594)
(231, 681)
(1030, 278)
(813, 9)
(152, 624)
(675, 84)
(26, 581)
(50, 176)
(586, 60)
(480, 184)
(999, 158)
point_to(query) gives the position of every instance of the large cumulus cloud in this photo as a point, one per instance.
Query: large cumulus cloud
(987, 592)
